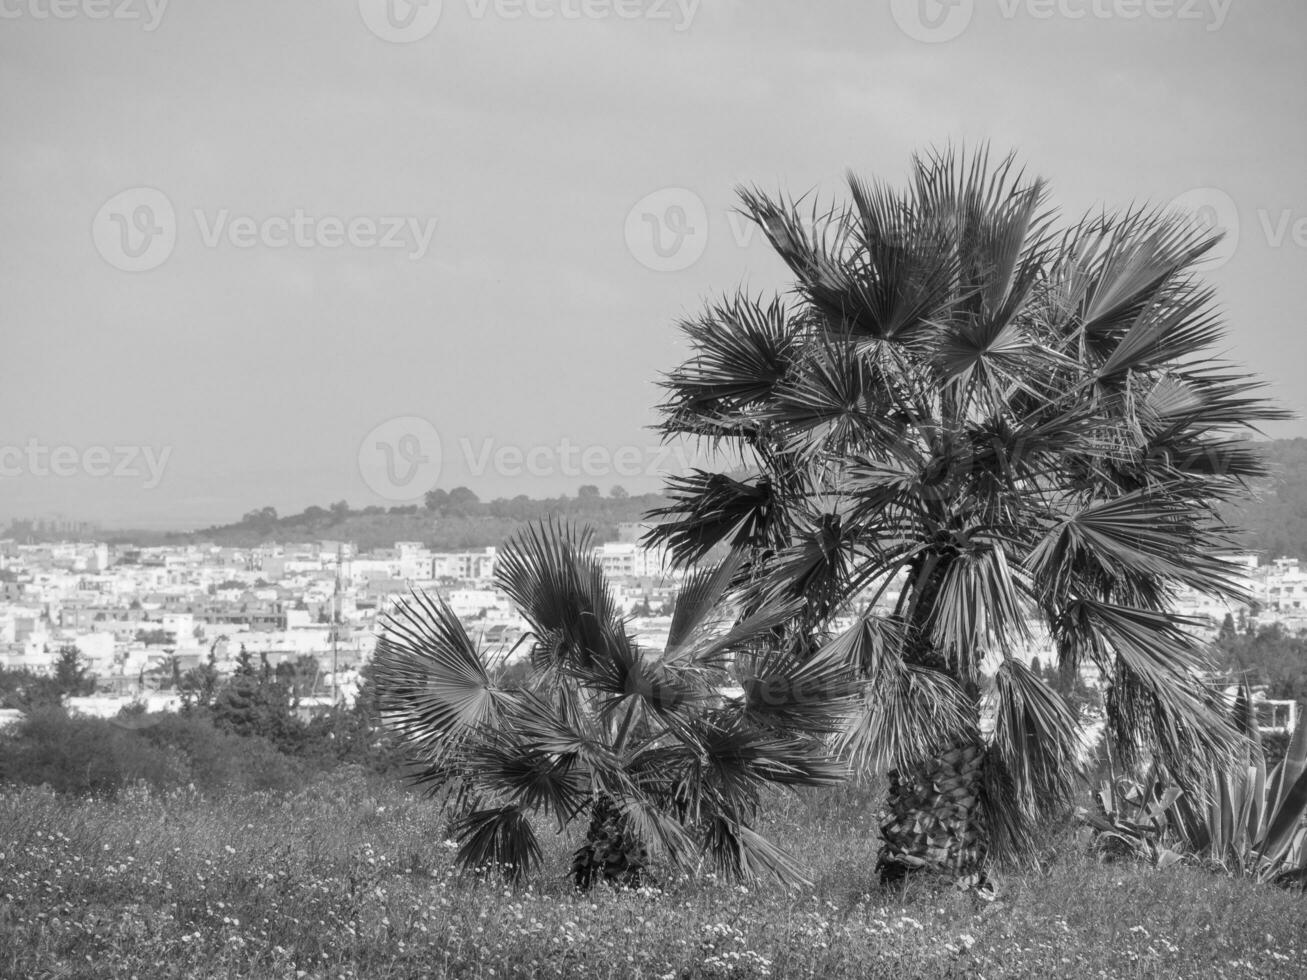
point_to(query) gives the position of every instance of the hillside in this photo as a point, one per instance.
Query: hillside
(448, 522)
(1276, 521)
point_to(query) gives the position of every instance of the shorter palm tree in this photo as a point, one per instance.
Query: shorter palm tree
(642, 742)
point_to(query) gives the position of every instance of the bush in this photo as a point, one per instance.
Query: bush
(351, 739)
(85, 756)
(94, 756)
(220, 760)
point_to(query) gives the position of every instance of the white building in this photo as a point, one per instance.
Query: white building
(467, 603)
(464, 565)
(620, 559)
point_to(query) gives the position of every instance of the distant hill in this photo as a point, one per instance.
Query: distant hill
(1275, 522)
(457, 522)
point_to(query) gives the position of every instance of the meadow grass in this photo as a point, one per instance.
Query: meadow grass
(353, 877)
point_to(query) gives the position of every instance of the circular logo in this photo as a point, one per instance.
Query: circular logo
(667, 231)
(400, 21)
(136, 231)
(1210, 211)
(932, 21)
(400, 458)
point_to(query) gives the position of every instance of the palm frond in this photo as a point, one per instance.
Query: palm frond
(833, 401)
(500, 838)
(739, 852)
(530, 777)
(815, 568)
(1140, 536)
(979, 608)
(558, 729)
(741, 351)
(710, 650)
(1135, 256)
(432, 683)
(1159, 713)
(1011, 833)
(712, 509)
(550, 573)
(699, 600)
(802, 696)
(655, 823)
(1037, 740)
(906, 712)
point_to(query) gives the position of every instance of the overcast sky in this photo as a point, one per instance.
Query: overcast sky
(283, 253)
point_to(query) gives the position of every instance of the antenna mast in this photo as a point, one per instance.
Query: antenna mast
(335, 632)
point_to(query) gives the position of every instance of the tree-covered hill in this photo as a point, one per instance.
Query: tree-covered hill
(1276, 521)
(446, 521)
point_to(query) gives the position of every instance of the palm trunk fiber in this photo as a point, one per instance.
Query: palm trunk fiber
(611, 853)
(932, 818)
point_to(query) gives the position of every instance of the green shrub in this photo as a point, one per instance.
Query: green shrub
(85, 756)
(95, 756)
(220, 760)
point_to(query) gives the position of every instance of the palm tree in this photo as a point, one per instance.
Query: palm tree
(645, 743)
(966, 423)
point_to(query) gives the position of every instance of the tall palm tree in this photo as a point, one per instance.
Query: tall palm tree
(644, 742)
(1003, 423)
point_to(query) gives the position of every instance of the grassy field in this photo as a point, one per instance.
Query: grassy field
(353, 878)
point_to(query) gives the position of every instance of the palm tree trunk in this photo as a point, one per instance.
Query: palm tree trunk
(611, 853)
(932, 816)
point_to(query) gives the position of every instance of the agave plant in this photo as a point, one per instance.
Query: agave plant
(1252, 822)
(641, 742)
(1135, 818)
(965, 421)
